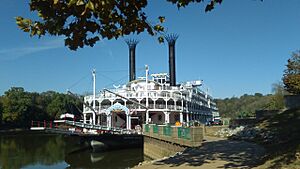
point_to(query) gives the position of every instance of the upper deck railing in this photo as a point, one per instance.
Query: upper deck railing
(152, 94)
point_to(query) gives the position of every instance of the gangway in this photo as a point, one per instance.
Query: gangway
(54, 127)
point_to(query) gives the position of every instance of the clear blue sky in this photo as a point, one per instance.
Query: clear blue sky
(240, 47)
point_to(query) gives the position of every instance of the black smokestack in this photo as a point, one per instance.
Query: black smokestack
(131, 44)
(171, 38)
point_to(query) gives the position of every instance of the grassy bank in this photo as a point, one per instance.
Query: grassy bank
(283, 150)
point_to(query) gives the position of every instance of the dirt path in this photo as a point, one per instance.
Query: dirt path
(215, 153)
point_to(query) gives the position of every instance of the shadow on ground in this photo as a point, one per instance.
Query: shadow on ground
(223, 153)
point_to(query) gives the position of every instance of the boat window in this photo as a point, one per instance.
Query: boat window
(160, 117)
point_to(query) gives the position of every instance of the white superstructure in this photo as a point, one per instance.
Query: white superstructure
(166, 104)
(156, 99)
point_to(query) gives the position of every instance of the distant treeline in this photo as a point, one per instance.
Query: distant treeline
(246, 105)
(19, 107)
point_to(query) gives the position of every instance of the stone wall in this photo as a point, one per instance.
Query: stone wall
(292, 101)
(212, 130)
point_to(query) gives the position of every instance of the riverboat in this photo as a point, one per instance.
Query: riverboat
(154, 98)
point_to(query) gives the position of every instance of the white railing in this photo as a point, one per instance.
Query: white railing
(154, 94)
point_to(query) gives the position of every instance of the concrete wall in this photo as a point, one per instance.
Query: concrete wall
(191, 138)
(157, 149)
(292, 101)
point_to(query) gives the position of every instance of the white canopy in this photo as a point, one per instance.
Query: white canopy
(67, 115)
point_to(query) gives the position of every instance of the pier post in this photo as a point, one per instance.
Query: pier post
(128, 122)
(181, 117)
(187, 118)
(108, 121)
(84, 118)
(167, 117)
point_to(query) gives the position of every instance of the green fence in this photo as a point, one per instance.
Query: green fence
(167, 130)
(147, 128)
(155, 129)
(184, 133)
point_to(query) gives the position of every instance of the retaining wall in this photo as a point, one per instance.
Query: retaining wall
(156, 149)
(292, 101)
(189, 137)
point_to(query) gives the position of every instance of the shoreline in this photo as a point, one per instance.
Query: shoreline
(157, 160)
(13, 130)
(214, 153)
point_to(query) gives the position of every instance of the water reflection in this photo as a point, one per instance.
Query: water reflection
(108, 160)
(39, 150)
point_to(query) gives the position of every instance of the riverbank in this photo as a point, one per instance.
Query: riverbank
(270, 143)
(214, 153)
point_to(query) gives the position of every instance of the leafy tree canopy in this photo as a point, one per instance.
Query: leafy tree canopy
(84, 22)
(291, 77)
(246, 105)
(15, 102)
(20, 107)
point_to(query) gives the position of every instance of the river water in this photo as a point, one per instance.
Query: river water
(34, 150)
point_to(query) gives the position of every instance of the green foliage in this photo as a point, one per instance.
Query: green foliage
(16, 104)
(20, 107)
(246, 105)
(291, 77)
(84, 22)
(1, 110)
(277, 99)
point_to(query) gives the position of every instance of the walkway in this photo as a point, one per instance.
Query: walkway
(215, 153)
(54, 127)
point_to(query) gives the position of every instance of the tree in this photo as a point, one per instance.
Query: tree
(246, 105)
(277, 99)
(291, 77)
(1, 110)
(16, 103)
(84, 22)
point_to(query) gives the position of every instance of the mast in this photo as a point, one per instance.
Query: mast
(147, 97)
(94, 95)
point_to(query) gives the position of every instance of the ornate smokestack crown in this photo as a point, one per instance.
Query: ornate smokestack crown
(171, 38)
(131, 45)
